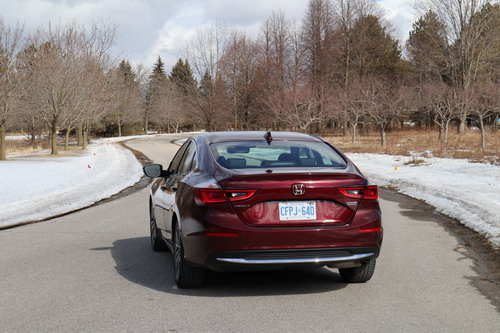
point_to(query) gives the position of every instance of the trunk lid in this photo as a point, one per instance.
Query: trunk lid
(293, 199)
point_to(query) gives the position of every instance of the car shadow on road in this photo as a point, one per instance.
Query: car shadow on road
(138, 263)
(410, 207)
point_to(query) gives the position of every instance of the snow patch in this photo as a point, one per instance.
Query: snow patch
(36, 188)
(458, 188)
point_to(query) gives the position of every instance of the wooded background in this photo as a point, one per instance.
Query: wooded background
(337, 70)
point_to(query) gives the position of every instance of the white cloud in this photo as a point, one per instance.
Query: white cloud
(398, 12)
(148, 28)
(174, 35)
(249, 12)
(138, 21)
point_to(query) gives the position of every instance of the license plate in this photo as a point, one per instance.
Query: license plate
(297, 210)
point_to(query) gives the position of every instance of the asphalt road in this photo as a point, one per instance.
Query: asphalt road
(94, 271)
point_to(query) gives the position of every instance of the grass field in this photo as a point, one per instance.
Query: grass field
(425, 143)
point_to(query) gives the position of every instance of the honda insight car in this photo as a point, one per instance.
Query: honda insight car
(236, 201)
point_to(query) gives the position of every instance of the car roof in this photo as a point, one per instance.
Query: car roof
(213, 137)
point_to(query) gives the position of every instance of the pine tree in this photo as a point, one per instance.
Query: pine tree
(156, 88)
(491, 37)
(206, 85)
(158, 70)
(427, 47)
(126, 70)
(376, 53)
(182, 76)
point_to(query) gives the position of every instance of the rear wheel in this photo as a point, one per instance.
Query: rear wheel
(186, 276)
(358, 274)
(156, 241)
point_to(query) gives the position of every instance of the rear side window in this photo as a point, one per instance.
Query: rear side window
(177, 158)
(187, 161)
(277, 154)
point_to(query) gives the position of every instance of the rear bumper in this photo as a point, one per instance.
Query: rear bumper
(293, 258)
(216, 232)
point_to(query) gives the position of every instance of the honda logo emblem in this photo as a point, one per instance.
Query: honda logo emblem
(298, 189)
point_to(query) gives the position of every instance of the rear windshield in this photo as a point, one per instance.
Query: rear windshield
(277, 154)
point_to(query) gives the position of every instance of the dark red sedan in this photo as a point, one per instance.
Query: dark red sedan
(263, 200)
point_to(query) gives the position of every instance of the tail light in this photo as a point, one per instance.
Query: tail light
(239, 194)
(204, 196)
(369, 192)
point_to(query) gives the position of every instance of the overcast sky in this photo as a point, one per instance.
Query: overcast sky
(148, 28)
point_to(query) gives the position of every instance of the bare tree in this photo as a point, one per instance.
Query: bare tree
(125, 95)
(441, 101)
(345, 14)
(383, 103)
(317, 40)
(485, 103)
(66, 79)
(10, 41)
(239, 66)
(204, 53)
(466, 27)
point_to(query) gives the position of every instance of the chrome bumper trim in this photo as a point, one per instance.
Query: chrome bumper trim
(295, 261)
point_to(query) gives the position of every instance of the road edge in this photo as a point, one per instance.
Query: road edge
(470, 244)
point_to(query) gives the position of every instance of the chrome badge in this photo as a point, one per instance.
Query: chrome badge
(298, 189)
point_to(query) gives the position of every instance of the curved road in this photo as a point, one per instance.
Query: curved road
(94, 271)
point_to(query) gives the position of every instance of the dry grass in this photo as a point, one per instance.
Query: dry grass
(23, 147)
(426, 144)
(26, 147)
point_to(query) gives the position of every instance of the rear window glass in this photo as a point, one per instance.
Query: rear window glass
(277, 154)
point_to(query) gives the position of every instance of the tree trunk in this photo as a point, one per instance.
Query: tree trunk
(66, 138)
(235, 113)
(382, 136)
(119, 129)
(3, 154)
(446, 127)
(84, 136)
(146, 124)
(87, 130)
(463, 123)
(483, 134)
(79, 135)
(33, 138)
(53, 138)
(354, 126)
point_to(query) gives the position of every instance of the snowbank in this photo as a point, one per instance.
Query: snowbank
(35, 188)
(466, 191)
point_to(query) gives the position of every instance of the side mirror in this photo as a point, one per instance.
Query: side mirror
(155, 171)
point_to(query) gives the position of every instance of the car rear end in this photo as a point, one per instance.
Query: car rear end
(285, 202)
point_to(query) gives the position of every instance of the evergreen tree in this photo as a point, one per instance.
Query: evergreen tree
(491, 41)
(156, 91)
(206, 85)
(158, 70)
(182, 76)
(126, 70)
(376, 53)
(427, 48)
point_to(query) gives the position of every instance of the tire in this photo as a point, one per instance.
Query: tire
(157, 243)
(186, 276)
(358, 274)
